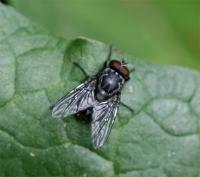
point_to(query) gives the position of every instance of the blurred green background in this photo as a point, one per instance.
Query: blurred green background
(162, 31)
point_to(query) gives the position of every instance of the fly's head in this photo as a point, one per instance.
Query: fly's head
(111, 80)
(120, 67)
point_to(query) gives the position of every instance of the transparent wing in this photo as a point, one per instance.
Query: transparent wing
(77, 100)
(103, 117)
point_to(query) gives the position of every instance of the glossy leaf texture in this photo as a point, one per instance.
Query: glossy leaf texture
(160, 139)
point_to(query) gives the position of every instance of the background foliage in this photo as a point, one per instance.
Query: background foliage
(165, 31)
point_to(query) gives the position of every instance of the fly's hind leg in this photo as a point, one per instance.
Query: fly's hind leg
(128, 107)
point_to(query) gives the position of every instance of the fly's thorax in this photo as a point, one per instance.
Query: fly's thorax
(109, 83)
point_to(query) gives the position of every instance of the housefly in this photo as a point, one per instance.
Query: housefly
(100, 94)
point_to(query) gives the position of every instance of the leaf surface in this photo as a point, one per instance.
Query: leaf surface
(160, 139)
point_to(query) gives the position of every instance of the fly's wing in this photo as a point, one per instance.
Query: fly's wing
(103, 117)
(77, 100)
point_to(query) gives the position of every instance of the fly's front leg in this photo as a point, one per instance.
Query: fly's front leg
(82, 70)
(132, 70)
(109, 56)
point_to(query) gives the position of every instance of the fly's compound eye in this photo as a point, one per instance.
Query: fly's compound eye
(124, 72)
(120, 68)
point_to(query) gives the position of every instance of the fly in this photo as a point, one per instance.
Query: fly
(99, 93)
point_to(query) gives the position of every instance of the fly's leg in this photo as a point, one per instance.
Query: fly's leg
(132, 70)
(109, 56)
(82, 70)
(128, 107)
(109, 53)
(85, 115)
(106, 62)
(5, 2)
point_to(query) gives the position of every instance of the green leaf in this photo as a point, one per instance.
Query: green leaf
(160, 139)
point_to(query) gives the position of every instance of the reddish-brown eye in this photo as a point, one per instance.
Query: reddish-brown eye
(114, 64)
(125, 72)
(120, 68)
